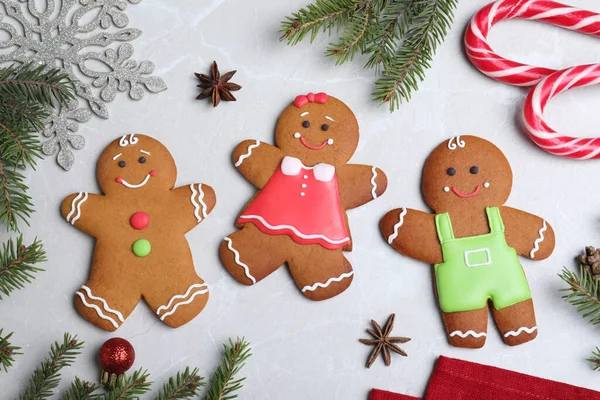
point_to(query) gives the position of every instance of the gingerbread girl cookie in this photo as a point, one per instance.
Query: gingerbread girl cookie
(306, 185)
(473, 239)
(139, 225)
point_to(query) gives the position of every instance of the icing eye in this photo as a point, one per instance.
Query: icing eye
(306, 124)
(324, 127)
(142, 160)
(451, 171)
(474, 169)
(122, 164)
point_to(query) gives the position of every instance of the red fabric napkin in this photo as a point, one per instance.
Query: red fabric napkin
(454, 379)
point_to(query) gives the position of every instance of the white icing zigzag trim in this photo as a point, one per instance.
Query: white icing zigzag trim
(321, 285)
(374, 190)
(460, 143)
(201, 199)
(296, 231)
(394, 235)
(540, 239)
(179, 296)
(98, 310)
(76, 207)
(467, 333)
(196, 205)
(520, 330)
(248, 154)
(238, 261)
(104, 303)
(165, 315)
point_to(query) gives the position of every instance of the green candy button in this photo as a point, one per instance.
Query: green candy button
(141, 247)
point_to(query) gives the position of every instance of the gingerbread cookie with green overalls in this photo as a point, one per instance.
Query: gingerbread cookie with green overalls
(473, 240)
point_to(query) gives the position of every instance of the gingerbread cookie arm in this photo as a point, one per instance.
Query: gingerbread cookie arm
(360, 184)
(412, 233)
(85, 211)
(257, 161)
(191, 204)
(530, 235)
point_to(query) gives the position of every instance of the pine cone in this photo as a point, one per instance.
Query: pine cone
(591, 261)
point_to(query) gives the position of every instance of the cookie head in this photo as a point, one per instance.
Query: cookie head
(317, 128)
(136, 164)
(466, 172)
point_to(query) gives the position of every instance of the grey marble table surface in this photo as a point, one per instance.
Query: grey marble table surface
(304, 349)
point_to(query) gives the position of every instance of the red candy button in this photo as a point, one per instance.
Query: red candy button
(139, 220)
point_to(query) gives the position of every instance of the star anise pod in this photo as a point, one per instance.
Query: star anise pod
(217, 86)
(383, 342)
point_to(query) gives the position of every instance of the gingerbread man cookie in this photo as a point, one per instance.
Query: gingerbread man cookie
(473, 240)
(306, 185)
(139, 225)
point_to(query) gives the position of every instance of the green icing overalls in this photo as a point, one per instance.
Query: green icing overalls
(478, 268)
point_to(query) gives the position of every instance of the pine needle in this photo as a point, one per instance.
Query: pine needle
(46, 377)
(36, 82)
(184, 386)
(131, 387)
(17, 264)
(15, 202)
(83, 390)
(7, 351)
(223, 383)
(582, 293)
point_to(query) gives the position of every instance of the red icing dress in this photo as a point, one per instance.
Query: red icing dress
(301, 202)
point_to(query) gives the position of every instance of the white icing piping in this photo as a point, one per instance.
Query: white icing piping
(145, 152)
(467, 333)
(540, 239)
(77, 208)
(520, 330)
(196, 205)
(165, 315)
(201, 199)
(460, 143)
(238, 261)
(124, 142)
(178, 296)
(79, 195)
(117, 156)
(98, 310)
(104, 303)
(374, 190)
(394, 234)
(248, 154)
(321, 285)
(329, 118)
(139, 185)
(296, 231)
(305, 113)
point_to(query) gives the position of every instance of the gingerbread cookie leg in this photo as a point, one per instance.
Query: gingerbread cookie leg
(107, 299)
(250, 255)
(320, 273)
(516, 323)
(467, 328)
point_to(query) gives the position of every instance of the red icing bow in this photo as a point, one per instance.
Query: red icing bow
(301, 100)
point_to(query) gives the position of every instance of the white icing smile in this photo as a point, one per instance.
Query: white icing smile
(138, 185)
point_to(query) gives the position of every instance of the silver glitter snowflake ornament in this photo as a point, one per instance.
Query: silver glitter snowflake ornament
(62, 33)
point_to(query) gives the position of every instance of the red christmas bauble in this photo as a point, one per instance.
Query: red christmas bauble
(116, 356)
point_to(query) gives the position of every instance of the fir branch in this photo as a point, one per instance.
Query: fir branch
(416, 53)
(15, 202)
(582, 293)
(83, 390)
(131, 387)
(222, 383)
(355, 35)
(38, 83)
(185, 385)
(17, 264)
(47, 376)
(595, 359)
(7, 351)
(322, 15)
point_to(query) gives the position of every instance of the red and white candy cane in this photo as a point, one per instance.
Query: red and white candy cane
(543, 135)
(515, 73)
(547, 82)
